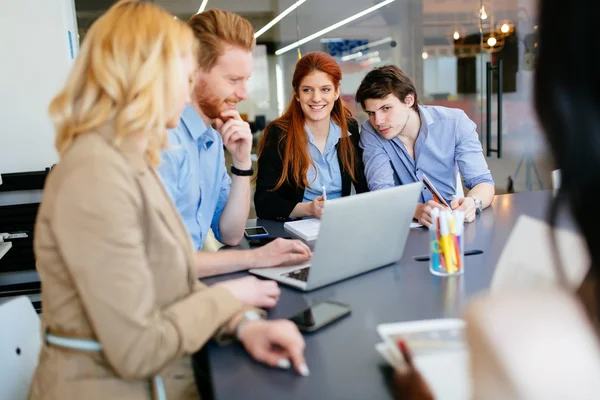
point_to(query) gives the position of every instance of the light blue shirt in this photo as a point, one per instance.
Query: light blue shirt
(194, 173)
(447, 143)
(327, 171)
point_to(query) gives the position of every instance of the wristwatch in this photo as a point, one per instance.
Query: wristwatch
(250, 315)
(241, 172)
(478, 204)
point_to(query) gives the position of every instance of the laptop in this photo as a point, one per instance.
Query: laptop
(358, 234)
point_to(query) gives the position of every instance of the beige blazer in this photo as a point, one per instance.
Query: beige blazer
(117, 265)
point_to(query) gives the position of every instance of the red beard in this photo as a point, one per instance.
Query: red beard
(210, 104)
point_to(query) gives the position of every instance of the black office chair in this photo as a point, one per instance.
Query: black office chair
(31, 180)
(260, 123)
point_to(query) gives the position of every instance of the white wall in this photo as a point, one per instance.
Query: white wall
(36, 56)
(440, 75)
(259, 93)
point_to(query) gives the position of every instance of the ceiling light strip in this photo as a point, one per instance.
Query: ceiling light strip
(278, 18)
(332, 27)
(202, 6)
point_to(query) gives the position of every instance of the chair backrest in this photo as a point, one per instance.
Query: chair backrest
(211, 244)
(20, 344)
(556, 179)
(532, 345)
(460, 192)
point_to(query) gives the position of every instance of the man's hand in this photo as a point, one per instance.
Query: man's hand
(237, 138)
(274, 343)
(423, 212)
(281, 251)
(253, 292)
(467, 205)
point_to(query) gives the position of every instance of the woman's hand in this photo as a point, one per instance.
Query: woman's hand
(276, 343)
(316, 207)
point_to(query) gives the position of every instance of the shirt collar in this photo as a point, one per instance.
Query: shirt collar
(426, 121)
(335, 134)
(196, 127)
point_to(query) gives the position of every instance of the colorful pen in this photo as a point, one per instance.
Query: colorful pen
(446, 243)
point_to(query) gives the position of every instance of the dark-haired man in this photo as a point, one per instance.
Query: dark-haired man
(403, 141)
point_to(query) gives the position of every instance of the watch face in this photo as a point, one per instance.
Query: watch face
(478, 204)
(252, 315)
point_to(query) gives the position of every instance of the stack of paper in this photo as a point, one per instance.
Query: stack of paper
(307, 229)
(439, 352)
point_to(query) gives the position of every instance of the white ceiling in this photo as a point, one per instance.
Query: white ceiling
(437, 17)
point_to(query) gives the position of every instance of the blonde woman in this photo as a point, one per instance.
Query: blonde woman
(123, 309)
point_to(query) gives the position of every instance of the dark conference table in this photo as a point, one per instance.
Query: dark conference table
(342, 358)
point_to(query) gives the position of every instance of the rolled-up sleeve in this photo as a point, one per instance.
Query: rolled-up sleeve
(469, 154)
(378, 167)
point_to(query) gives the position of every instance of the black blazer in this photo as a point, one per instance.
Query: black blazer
(279, 204)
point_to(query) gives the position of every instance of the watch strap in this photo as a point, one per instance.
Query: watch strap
(478, 204)
(250, 315)
(241, 172)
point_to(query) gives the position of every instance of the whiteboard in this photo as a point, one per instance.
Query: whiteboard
(38, 41)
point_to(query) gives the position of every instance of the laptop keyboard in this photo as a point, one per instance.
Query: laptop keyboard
(298, 274)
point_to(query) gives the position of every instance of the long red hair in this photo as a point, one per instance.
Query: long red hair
(296, 159)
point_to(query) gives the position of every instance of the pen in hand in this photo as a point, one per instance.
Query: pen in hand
(324, 193)
(409, 384)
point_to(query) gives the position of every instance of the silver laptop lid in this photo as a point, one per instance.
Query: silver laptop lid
(363, 232)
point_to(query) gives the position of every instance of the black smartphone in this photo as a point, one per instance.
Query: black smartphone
(319, 315)
(257, 242)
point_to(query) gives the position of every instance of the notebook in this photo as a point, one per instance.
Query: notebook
(307, 229)
(439, 352)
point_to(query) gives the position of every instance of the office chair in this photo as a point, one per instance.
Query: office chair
(260, 123)
(556, 179)
(460, 191)
(20, 344)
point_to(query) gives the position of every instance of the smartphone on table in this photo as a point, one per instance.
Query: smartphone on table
(255, 232)
(320, 315)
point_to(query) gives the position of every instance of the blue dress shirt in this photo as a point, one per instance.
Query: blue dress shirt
(447, 143)
(327, 171)
(194, 174)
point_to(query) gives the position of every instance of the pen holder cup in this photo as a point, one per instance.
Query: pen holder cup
(446, 253)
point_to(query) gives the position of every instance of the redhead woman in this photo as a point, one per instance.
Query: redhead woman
(310, 153)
